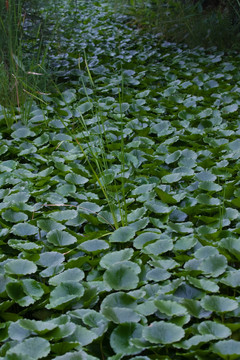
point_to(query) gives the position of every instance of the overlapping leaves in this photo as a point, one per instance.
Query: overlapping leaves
(152, 268)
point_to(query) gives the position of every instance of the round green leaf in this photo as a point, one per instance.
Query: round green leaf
(160, 332)
(20, 267)
(121, 315)
(60, 238)
(206, 176)
(123, 234)
(85, 107)
(122, 276)
(116, 256)
(170, 308)
(50, 259)
(231, 278)
(120, 338)
(49, 225)
(17, 332)
(32, 288)
(218, 303)
(64, 294)
(21, 196)
(203, 284)
(24, 229)
(94, 245)
(158, 274)
(227, 349)
(13, 216)
(61, 216)
(214, 265)
(39, 327)
(76, 179)
(67, 275)
(229, 109)
(171, 178)
(220, 331)
(158, 247)
(36, 348)
(145, 238)
(76, 355)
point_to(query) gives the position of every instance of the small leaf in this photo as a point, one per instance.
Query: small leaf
(85, 107)
(95, 245)
(229, 109)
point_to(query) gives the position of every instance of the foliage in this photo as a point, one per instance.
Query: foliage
(165, 283)
(194, 22)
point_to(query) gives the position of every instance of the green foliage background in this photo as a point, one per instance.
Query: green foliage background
(119, 213)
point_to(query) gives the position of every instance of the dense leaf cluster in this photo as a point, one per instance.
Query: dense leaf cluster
(151, 270)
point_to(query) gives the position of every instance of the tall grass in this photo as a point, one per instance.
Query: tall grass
(22, 78)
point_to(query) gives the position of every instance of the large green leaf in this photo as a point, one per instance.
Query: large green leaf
(60, 238)
(20, 267)
(120, 338)
(24, 229)
(64, 294)
(219, 304)
(36, 348)
(227, 349)
(122, 235)
(122, 275)
(160, 332)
